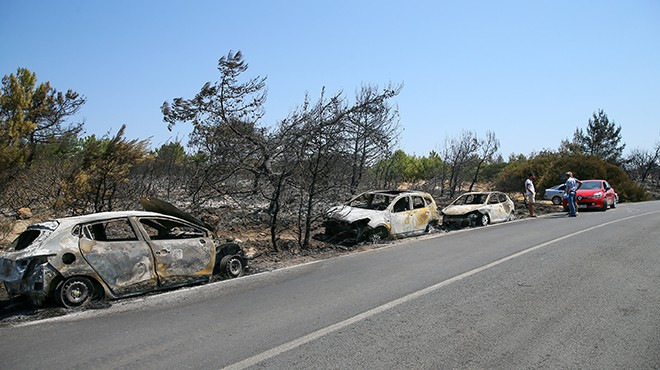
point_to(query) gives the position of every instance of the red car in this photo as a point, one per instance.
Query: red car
(595, 194)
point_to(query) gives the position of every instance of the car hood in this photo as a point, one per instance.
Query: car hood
(461, 210)
(152, 204)
(351, 214)
(588, 192)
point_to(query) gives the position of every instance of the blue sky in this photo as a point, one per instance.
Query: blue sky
(529, 71)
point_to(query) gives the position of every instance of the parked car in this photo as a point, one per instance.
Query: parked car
(75, 260)
(376, 215)
(595, 194)
(555, 194)
(478, 209)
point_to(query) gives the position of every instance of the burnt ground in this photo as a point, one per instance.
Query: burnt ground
(262, 259)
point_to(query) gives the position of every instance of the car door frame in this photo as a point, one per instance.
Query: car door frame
(422, 215)
(496, 211)
(401, 223)
(125, 266)
(610, 198)
(169, 252)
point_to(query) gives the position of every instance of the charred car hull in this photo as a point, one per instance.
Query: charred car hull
(28, 278)
(377, 215)
(478, 209)
(345, 232)
(468, 220)
(75, 260)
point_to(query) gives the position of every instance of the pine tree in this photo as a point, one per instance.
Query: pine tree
(601, 140)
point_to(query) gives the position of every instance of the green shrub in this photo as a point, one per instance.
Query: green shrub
(550, 169)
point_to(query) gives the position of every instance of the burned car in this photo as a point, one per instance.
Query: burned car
(376, 215)
(75, 260)
(478, 209)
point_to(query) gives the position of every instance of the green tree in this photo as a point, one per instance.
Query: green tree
(32, 114)
(601, 139)
(105, 168)
(434, 172)
(394, 170)
(165, 170)
(549, 169)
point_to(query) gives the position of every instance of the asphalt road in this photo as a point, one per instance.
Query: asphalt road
(550, 293)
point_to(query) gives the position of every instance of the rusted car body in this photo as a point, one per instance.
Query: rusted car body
(478, 209)
(377, 215)
(75, 260)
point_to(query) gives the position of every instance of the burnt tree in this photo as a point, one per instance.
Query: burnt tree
(371, 134)
(487, 149)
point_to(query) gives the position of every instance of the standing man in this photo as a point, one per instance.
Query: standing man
(530, 193)
(572, 185)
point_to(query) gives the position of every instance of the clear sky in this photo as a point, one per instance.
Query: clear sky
(530, 71)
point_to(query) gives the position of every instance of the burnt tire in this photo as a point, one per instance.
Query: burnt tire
(232, 266)
(75, 292)
(557, 200)
(379, 234)
(482, 220)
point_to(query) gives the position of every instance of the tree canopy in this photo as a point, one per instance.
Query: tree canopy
(32, 114)
(601, 139)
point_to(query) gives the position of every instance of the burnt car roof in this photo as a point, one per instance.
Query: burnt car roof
(99, 216)
(73, 220)
(395, 192)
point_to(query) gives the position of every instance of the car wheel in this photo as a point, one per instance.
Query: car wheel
(75, 291)
(613, 204)
(483, 220)
(604, 208)
(431, 226)
(511, 216)
(556, 200)
(232, 266)
(379, 234)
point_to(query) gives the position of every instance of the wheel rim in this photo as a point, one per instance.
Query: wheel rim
(379, 234)
(556, 201)
(75, 292)
(484, 220)
(235, 267)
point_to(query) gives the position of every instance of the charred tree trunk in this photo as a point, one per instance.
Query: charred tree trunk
(274, 210)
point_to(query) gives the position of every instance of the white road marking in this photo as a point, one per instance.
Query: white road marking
(251, 361)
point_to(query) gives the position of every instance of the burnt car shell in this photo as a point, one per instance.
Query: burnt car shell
(74, 260)
(380, 214)
(478, 209)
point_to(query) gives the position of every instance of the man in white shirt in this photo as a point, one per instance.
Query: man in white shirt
(530, 193)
